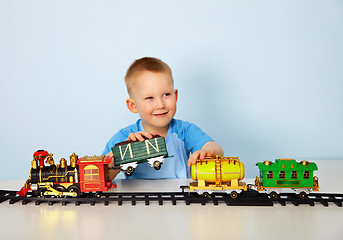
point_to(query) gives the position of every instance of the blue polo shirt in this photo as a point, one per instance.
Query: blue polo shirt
(183, 138)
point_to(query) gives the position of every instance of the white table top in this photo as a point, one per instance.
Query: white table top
(175, 222)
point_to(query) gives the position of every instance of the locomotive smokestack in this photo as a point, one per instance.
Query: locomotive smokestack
(73, 160)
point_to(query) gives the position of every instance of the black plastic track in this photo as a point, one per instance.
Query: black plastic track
(248, 198)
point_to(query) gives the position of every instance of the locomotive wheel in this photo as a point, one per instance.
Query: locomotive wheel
(41, 192)
(302, 195)
(273, 195)
(60, 188)
(74, 189)
(233, 194)
(157, 165)
(129, 171)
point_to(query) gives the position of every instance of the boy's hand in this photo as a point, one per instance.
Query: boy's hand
(208, 150)
(140, 136)
(201, 154)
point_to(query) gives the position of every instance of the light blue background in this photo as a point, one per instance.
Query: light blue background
(263, 78)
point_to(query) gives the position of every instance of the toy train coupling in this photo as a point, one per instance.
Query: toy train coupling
(114, 168)
(183, 188)
(315, 183)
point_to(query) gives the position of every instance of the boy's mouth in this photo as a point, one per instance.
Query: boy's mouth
(160, 114)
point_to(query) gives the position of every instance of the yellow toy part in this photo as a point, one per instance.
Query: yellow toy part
(218, 169)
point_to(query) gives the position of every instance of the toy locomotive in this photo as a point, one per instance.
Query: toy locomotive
(87, 174)
(90, 174)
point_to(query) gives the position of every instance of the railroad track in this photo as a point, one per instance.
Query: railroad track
(248, 198)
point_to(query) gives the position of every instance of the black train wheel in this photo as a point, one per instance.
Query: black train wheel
(206, 195)
(302, 195)
(42, 191)
(74, 189)
(233, 194)
(157, 165)
(60, 188)
(273, 195)
(129, 171)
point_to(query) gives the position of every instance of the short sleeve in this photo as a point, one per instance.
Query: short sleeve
(195, 138)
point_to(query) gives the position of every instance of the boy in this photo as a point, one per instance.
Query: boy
(150, 86)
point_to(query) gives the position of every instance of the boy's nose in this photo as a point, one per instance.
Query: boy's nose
(160, 104)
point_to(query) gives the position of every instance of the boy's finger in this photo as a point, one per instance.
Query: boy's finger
(131, 137)
(191, 160)
(147, 134)
(202, 155)
(139, 137)
(210, 154)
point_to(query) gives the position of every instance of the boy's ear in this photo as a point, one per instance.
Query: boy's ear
(176, 93)
(131, 105)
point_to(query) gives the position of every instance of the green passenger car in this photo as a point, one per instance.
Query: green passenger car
(287, 174)
(129, 154)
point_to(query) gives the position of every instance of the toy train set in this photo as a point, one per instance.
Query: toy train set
(216, 179)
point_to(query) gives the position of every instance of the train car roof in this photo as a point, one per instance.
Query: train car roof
(287, 164)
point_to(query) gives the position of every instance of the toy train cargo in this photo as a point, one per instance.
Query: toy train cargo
(218, 174)
(129, 154)
(287, 174)
(86, 174)
(225, 174)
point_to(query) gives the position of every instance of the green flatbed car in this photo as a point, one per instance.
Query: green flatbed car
(287, 174)
(129, 154)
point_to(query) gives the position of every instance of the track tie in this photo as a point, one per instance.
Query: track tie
(335, 201)
(160, 201)
(3, 199)
(24, 202)
(13, 201)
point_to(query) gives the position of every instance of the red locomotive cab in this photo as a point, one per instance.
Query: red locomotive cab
(94, 175)
(40, 156)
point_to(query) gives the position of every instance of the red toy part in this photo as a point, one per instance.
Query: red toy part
(23, 191)
(40, 155)
(94, 175)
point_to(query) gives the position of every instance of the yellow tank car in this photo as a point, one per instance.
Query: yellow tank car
(218, 174)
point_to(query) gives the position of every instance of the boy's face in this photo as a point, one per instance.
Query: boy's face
(153, 96)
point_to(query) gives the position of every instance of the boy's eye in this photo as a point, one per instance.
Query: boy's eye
(149, 98)
(166, 94)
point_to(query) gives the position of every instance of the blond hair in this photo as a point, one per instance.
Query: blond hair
(145, 64)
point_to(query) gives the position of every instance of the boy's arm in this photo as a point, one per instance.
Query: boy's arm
(209, 149)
